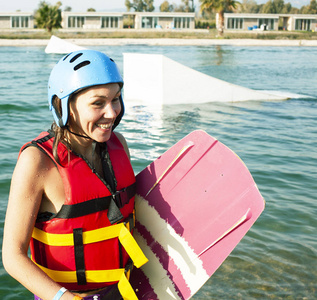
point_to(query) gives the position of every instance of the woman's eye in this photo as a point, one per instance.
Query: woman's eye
(97, 103)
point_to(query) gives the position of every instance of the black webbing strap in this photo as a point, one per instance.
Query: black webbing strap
(107, 168)
(79, 256)
(128, 266)
(84, 208)
(112, 203)
(130, 220)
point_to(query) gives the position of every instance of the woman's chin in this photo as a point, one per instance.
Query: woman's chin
(101, 137)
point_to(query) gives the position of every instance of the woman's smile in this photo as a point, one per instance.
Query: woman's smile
(104, 126)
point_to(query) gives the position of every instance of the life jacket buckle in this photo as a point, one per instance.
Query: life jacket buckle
(117, 198)
(121, 197)
(130, 220)
(128, 266)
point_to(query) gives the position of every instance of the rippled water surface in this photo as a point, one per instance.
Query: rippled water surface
(277, 259)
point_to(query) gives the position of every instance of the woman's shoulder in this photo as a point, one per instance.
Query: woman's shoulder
(34, 160)
(31, 173)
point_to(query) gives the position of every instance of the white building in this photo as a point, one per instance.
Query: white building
(171, 20)
(16, 20)
(235, 21)
(140, 20)
(92, 20)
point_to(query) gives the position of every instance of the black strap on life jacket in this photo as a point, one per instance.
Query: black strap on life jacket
(113, 203)
(79, 256)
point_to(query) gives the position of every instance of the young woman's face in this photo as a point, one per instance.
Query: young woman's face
(94, 111)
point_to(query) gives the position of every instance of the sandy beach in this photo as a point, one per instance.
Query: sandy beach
(163, 42)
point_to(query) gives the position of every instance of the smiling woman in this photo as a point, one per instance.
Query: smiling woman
(72, 191)
(93, 111)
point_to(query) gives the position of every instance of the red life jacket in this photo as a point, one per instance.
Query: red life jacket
(87, 244)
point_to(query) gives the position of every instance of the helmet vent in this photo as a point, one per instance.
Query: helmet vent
(75, 57)
(66, 56)
(82, 64)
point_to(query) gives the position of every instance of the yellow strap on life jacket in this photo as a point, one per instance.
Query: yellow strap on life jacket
(93, 236)
(126, 289)
(124, 286)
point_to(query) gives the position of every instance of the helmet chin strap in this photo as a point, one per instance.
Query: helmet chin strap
(94, 145)
(77, 134)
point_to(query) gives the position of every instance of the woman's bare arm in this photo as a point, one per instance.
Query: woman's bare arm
(27, 189)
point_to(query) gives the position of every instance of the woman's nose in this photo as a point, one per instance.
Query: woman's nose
(110, 112)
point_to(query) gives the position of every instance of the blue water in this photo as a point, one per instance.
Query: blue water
(277, 140)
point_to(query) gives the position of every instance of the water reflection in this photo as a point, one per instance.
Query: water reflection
(219, 53)
(151, 130)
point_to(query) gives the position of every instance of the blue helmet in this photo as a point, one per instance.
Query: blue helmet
(76, 71)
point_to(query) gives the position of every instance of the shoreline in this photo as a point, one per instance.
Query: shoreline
(162, 42)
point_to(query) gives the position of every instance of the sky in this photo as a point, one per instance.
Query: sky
(99, 5)
(77, 6)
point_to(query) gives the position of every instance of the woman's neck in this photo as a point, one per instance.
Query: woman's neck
(80, 145)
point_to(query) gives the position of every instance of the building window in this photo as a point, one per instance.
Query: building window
(110, 22)
(76, 22)
(235, 23)
(302, 24)
(19, 22)
(181, 22)
(149, 22)
(268, 22)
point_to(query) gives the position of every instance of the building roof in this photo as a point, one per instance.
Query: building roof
(268, 16)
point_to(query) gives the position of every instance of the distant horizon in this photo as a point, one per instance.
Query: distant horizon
(104, 5)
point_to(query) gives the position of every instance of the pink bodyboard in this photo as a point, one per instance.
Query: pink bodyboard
(193, 206)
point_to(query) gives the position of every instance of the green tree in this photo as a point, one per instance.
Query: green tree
(91, 10)
(310, 9)
(294, 11)
(166, 7)
(279, 6)
(249, 6)
(275, 7)
(48, 16)
(149, 5)
(220, 7)
(287, 8)
(140, 5)
(189, 7)
(313, 6)
(128, 5)
(185, 6)
(269, 8)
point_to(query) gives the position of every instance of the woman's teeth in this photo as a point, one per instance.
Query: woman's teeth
(104, 126)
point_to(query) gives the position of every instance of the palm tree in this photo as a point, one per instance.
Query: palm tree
(48, 16)
(220, 7)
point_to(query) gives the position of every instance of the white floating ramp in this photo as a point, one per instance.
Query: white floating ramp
(57, 45)
(156, 79)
